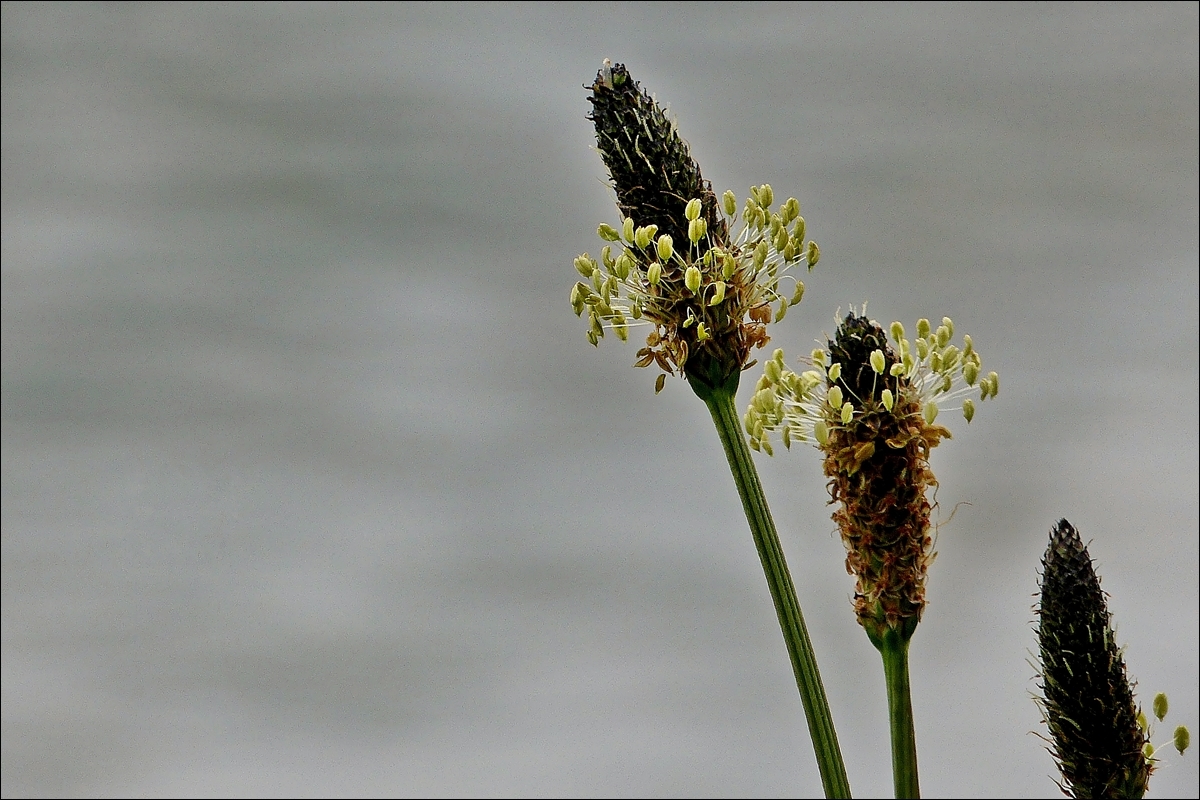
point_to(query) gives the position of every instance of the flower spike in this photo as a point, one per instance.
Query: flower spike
(706, 293)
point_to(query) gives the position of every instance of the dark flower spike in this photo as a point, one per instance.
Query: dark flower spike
(673, 265)
(1095, 734)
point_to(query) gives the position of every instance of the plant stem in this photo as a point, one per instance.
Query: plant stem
(720, 402)
(894, 650)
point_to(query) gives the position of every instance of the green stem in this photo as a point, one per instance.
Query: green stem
(900, 716)
(720, 402)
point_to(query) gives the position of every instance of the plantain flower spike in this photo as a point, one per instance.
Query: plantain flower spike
(705, 294)
(870, 406)
(1097, 734)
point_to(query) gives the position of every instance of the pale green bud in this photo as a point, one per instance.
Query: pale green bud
(627, 229)
(821, 431)
(968, 345)
(789, 252)
(848, 413)
(692, 210)
(584, 265)
(878, 362)
(835, 397)
(786, 435)
(772, 371)
(943, 335)
(897, 332)
(781, 239)
(923, 329)
(622, 267)
(969, 410)
(765, 196)
(813, 254)
(935, 361)
(899, 368)
(1160, 706)
(729, 200)
(636, 310)
(835, 372)
(576, 300)
(718, 293)
(624, 264)
(798, 295)
(728, 265)
(798, 231)
(887, 399)
(691, 278)
(654, 273)
(818, 356)
(930, 412)
(783, 307)
(1182, 739)
(665, 247)
(644, 235)
(701, 332)
(606, 256)
(696, 230)
(791, 209)
(970, 373)
(949, 324)
(608, 233)
(994, 383)
(922, 349)
(620, 329)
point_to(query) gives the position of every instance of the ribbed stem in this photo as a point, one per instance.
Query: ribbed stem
(720, 402)
(900, 716)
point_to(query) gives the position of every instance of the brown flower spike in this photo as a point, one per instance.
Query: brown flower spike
(871, 407)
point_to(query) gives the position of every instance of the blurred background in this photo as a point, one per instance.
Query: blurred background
(312, 484)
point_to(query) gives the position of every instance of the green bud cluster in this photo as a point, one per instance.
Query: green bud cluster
(704, 289)
(924, 374)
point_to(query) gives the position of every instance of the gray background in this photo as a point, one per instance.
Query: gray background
(313, 486)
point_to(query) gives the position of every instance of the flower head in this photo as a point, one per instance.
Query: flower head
(870, 405)
(1098, 737)
(673, 266)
